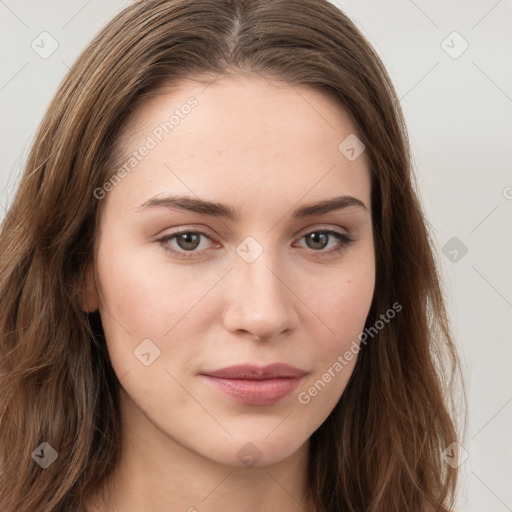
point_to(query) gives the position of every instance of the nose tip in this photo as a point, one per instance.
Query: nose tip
(258, 302)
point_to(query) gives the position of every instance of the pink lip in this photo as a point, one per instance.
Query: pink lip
(256, 385)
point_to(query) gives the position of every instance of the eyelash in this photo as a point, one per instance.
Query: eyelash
(343, 239)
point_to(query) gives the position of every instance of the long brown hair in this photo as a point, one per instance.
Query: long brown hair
(380, 448)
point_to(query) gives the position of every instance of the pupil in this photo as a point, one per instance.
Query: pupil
(188, 241)
(320, 238)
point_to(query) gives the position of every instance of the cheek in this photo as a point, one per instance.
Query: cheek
(344, 315)
(135, 294)
(136, 290)
(342, 307)
(346, 307)
(343, 301)
(143, 296)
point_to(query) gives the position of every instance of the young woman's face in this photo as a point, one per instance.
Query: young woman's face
(187, 291)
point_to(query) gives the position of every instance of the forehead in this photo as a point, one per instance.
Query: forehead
(244, 136)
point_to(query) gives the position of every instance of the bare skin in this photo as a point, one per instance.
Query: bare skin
(265, 150)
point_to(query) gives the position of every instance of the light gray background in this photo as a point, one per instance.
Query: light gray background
(458, 112)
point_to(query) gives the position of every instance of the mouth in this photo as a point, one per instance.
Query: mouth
(253, 385)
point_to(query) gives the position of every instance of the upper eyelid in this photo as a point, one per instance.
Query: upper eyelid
(300, 235)
(301, 232)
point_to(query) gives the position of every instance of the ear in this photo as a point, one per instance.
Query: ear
(90, 300)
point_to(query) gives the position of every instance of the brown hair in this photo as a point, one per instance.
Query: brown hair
(380, 448)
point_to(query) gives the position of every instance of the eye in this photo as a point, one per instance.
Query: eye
(318, 240)
(187, 242)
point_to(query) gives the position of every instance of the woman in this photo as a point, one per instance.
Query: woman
(217, 285)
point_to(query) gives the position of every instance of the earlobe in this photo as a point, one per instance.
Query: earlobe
(90, 300)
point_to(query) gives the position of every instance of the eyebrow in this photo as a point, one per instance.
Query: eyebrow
(229, 212)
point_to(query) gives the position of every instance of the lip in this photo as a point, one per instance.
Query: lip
(255, 385)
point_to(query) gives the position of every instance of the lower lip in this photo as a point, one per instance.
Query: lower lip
(255, 392)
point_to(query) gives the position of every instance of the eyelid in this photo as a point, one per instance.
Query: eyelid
(344, 239)
(165, 239)
(324, 227)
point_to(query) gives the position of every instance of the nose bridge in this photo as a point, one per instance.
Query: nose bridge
(258, 300)
(260, 278)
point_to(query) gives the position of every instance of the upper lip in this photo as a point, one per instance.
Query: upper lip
(252, 372)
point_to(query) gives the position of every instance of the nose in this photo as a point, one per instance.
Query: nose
(258, 301)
